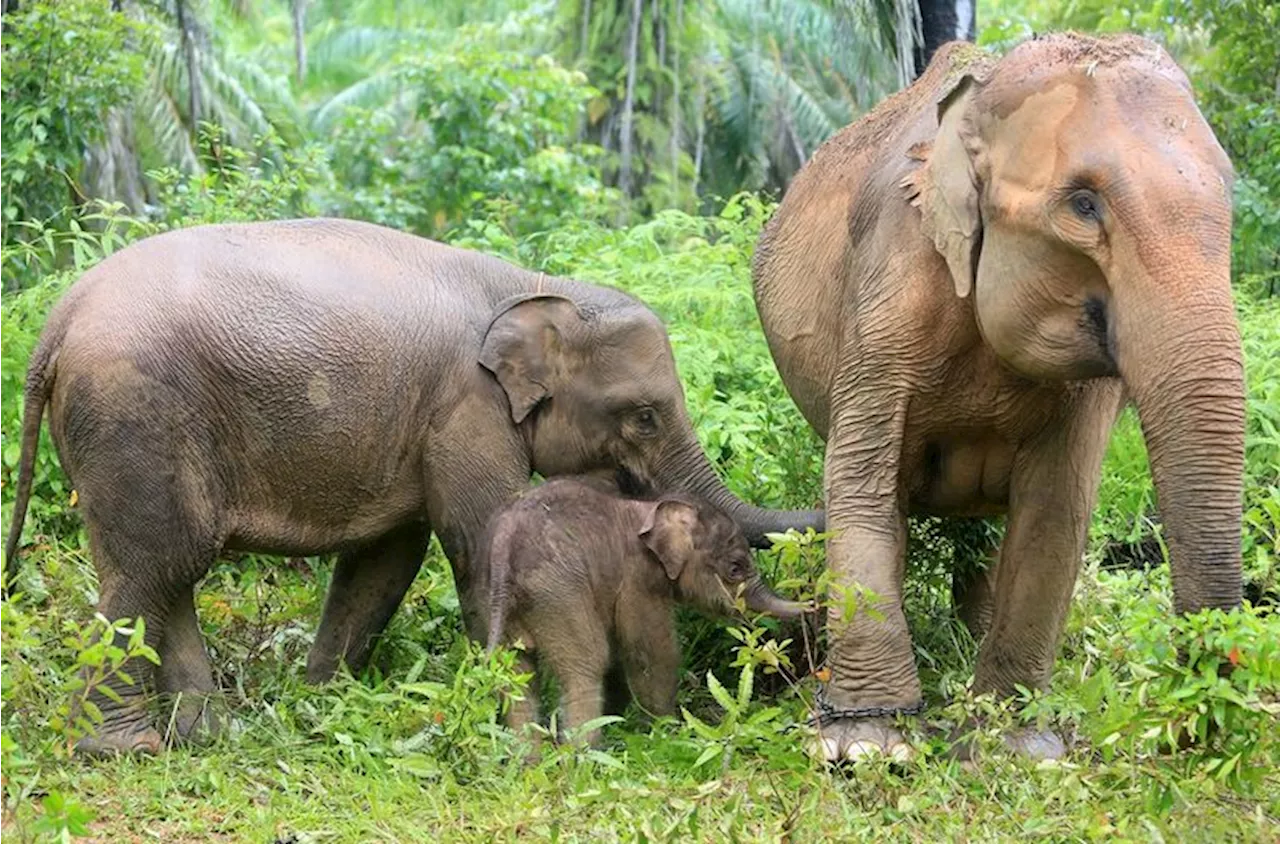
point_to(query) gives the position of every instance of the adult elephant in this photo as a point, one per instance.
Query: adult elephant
(960, 290)
(314, 386)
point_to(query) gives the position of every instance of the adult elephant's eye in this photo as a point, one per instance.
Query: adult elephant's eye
(1085, 204)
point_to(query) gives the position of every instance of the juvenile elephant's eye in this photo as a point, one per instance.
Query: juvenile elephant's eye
(1085, 204)
(646, 420)
(737, 572)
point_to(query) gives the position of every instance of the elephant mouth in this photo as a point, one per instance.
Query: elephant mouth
(631, 483)
(1096, 323)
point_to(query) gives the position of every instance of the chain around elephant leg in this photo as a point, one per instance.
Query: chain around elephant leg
(873, 674)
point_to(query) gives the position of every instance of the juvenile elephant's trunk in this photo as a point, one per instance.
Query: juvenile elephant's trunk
(760, 598)
(1182, 367)
(688, 470)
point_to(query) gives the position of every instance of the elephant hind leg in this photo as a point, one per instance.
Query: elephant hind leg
(973, 576)
(139, 454)
(154, 582)
(367, 587)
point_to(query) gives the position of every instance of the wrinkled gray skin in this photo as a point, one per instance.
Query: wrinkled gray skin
(960, 290)
(588, 581)
(305, 387)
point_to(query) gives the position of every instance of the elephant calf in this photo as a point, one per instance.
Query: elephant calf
(588, 580)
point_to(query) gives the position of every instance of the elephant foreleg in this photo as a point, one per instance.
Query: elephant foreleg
(473, 468)
(650, 655)
(872, 665)
(1052, 492)
(367, 588)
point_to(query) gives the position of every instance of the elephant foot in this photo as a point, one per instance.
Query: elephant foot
(195, 717)
(850, 739)
(144, 740)
(1027, 742)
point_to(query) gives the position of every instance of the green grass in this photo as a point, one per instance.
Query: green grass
(409, 751)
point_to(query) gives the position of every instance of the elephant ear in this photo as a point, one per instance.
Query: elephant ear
(946, 188)
(525, 348)
(668, 532)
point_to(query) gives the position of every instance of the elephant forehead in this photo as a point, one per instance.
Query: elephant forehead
(1029, 147)
(635, 350)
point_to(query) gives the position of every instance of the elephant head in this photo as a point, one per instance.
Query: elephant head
(707, 558)
(595, 388)
(1077, 194)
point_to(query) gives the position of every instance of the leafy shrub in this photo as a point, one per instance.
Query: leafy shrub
(66, 64)
(1206, 684)
(486, 126)
(237, 185)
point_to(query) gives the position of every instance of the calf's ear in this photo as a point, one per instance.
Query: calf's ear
(667, 531)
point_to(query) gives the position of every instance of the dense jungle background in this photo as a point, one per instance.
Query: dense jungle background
(642, 144)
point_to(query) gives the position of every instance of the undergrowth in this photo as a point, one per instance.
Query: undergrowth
(1163, 746)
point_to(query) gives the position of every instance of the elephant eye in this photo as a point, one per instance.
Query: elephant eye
(737, 572)
(646, 420)
(1085, 204)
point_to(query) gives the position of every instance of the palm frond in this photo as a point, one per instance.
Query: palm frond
(371, 91)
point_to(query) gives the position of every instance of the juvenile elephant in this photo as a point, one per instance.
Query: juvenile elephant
(960, 291)
(588, 581)
(310, 386)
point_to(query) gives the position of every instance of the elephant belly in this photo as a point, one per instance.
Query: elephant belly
(959, 477)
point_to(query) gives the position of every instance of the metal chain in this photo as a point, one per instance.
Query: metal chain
(828, 714)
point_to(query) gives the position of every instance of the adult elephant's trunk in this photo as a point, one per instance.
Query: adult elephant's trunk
(1179, 355)
(687, 469)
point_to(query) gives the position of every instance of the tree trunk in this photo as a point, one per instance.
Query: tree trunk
(700, 106)
(111, 169)
(675, 103)
(585, 47)
(942, 21)
(299, 38)
(9, 7)
(628, 104)
(186, 27)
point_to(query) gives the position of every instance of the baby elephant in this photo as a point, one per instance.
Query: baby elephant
(588, 581)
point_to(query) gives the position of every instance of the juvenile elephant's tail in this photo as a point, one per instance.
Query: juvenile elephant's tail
(36, 394)
(498, 558)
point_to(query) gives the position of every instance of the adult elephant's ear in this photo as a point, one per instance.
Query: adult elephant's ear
(525, 347)
(946, 188)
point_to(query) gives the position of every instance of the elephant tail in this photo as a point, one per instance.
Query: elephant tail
(498, 556)
(35, 396)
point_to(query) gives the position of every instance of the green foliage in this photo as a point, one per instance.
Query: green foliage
(1206, 688)
(472, 134)
(743, 726)
(420, 727)
(237, 185)
(1239, 84)
(67, 63)
(487, 125)
(100, 662)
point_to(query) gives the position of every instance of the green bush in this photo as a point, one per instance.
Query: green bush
(67, 63)
(486, 126)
